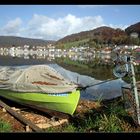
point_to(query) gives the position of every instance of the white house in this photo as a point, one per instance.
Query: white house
(134, 34)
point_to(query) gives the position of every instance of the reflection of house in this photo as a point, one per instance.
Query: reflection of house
(26, 57)
(40, 56)
(106, 50)
(51, 50)
(58, 51)
(1, 49)
(40, 48)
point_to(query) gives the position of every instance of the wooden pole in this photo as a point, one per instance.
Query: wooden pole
(135, 91)
(20, 117)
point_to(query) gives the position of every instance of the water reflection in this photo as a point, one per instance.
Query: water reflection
(86, 56)
(97, 65)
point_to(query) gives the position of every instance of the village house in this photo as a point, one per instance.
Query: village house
(134, 34)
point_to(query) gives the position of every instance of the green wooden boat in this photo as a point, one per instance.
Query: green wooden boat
(39, 87)
(61, 102)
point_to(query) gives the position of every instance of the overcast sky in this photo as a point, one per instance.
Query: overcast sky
(53, 22)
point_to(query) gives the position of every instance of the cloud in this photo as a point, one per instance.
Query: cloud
(44, 27)
(12, 27)
(123, 27)
(50, 28)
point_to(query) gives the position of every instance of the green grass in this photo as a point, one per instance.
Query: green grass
(68, 61)
(108, 123)
(4, 126)
(68, 45)
(110, 117)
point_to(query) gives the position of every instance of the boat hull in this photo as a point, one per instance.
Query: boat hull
(61, 102)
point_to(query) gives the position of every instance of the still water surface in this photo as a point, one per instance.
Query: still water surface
(98, 67)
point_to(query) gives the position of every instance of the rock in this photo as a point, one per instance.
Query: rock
(4, 110)
(52, 123)
(15, 109)
(43, 125)
(28, 129)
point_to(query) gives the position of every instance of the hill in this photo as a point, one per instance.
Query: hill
(104, 34)
(133, 28)
(8, 41)
(96, 37)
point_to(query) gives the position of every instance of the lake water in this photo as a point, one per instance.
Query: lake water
(97, 67)
(84, 71)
